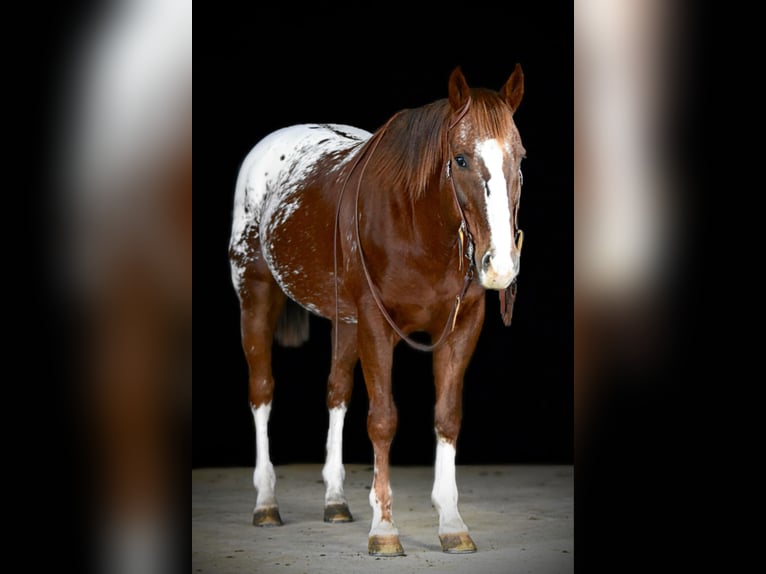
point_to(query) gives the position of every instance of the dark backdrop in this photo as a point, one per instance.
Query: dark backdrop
(316, 65)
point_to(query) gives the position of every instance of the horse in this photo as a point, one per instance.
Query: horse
(385, 234)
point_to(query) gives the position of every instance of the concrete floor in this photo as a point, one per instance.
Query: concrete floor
(520, 517)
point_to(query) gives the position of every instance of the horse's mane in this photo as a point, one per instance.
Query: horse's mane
(412, 149)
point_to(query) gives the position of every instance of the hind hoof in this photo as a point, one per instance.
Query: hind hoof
(385, 545)
(457, 543)
(336, 513)
(267, 517)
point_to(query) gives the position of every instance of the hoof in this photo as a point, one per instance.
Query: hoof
(337, 513)
(267, 517)
(457, 543)
(385, 545)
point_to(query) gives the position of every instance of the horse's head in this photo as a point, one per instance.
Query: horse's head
(485, 166)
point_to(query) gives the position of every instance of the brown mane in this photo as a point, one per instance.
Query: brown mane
(412, 150)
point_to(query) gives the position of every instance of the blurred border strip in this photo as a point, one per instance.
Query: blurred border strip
(125, 174)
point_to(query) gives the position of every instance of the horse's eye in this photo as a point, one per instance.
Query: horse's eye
(461, 161)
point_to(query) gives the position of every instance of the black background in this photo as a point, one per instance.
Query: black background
(319, 66)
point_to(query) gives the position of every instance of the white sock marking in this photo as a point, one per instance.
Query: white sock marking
(380, 526)
(333, 471)
(264, 478)
(444, 495)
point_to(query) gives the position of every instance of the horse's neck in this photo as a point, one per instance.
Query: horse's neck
(429, 222)
(423, 218)
(435, 213)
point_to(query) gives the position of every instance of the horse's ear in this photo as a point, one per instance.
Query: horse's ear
(458, 89)
(513, 90)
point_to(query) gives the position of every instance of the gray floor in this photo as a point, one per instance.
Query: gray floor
(521, 518)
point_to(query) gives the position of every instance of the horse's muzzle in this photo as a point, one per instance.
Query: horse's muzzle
(498, 272)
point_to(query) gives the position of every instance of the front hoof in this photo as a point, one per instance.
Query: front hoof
(268, 516)
(385, 545)
(457, 543)
(335, 513)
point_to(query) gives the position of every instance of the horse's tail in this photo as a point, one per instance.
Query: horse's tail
(292, 326)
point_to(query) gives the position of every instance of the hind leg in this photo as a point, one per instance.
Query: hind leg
(339, 389)
(261, 303)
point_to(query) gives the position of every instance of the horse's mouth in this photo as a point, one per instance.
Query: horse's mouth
(497, 282)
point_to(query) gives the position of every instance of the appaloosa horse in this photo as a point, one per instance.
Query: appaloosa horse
(384, 234)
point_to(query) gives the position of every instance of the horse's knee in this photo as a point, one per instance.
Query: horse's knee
(382, 421)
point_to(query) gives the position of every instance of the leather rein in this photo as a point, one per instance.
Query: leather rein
(465, 246)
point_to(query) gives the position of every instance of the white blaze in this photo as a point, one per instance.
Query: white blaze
(333, 471)
(264, 478)
(498, 207)
(444, 494)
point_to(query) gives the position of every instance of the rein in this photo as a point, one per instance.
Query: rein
(464, 236)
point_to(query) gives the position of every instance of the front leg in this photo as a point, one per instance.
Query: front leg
(376, 346)
(450, 362)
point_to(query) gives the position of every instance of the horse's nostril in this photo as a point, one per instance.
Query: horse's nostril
(485, 261)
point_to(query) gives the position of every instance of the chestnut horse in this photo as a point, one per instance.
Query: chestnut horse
(384, 234)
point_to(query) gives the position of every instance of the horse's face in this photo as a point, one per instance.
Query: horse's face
(486, 153)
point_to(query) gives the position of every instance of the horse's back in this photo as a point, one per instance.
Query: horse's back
(283, 201)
